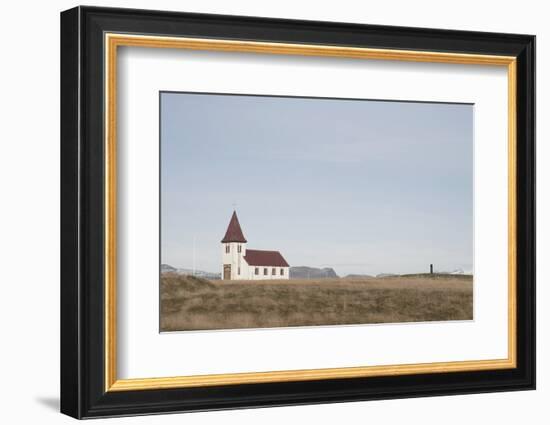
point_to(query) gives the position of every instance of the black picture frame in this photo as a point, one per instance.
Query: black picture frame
(83, 392)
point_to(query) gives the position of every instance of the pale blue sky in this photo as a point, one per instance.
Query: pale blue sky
(361, 186)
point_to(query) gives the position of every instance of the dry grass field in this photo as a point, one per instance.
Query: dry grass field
(191, 303)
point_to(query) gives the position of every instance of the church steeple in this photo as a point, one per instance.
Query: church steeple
(234, 232)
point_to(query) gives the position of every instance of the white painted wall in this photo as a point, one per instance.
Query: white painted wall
(30, 266)
(270, 275)
(235, 259)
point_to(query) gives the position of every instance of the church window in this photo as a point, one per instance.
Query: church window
(227, 248)
(282, 272)
(238, 270)
(265, 271)
(273, 272)
(239, 249)
(257, 270)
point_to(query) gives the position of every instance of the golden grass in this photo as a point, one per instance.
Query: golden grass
(190, 303)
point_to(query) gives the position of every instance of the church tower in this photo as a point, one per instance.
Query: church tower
(233, 250)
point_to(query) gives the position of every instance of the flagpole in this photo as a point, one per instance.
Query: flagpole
(193, 255)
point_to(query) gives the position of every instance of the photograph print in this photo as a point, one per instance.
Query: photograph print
(282, 211)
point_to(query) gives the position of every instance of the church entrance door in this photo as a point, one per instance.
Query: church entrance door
(227, 272)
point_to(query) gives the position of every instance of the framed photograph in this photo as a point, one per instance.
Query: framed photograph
(261, 212)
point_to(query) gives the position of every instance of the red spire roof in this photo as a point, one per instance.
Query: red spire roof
(234, 232)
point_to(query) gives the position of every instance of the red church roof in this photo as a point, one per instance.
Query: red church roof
(234, 232)
(255, 257)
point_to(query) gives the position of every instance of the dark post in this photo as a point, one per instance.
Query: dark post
(431, 269)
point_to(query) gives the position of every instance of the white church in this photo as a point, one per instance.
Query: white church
(240, 263)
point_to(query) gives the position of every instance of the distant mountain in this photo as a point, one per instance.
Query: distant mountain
(200, 273)
(456, 271)
(358, 276)
(166, 268)
(304, 272)
(386, 275)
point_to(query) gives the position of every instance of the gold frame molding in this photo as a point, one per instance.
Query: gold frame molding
(113, 41)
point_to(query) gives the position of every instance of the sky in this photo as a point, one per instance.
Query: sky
(362, 186)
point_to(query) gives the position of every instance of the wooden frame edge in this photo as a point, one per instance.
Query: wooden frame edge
(114, 40)
(306, 375)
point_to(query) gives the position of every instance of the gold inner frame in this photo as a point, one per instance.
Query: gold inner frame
(113, 41)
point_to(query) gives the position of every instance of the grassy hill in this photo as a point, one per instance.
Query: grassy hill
(191, 303)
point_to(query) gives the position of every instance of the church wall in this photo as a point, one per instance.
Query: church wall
(236, 260)
(261, 276)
